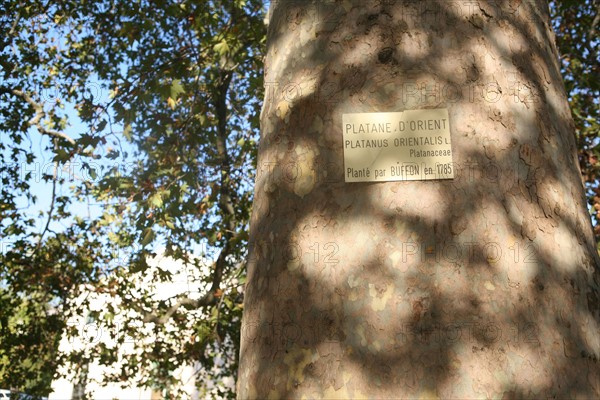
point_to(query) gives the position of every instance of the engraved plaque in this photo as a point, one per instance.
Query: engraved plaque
(397, 146)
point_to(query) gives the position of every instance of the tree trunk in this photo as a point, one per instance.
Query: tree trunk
(481, 286)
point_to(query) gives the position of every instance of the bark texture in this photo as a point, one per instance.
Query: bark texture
(484, 286)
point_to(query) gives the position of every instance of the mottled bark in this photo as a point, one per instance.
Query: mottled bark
(484, 286)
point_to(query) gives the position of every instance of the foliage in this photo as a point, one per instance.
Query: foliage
(162, 162)
(576, 26)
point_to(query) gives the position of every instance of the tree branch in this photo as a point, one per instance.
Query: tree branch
(595, 22)
(225, 205)
(52, 200)
(37, 118)
(166, 316)
(208, 299)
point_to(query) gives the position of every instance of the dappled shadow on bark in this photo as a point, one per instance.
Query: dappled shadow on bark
(481, 286)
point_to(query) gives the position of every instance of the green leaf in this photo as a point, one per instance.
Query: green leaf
(127, 131)
(62, 155)
(101, 125)
(91, 171)
(148, 236)
(156, 200)
(221, 48)
(112, 154)
(176, 88)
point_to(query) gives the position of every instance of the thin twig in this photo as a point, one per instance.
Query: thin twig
(50, 212)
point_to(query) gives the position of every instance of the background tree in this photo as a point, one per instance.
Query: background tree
(486, 285)
(167, 95)
(576, 27)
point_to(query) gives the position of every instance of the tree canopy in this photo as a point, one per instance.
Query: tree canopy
(167, 96)
(576, 27)
(130, 129)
